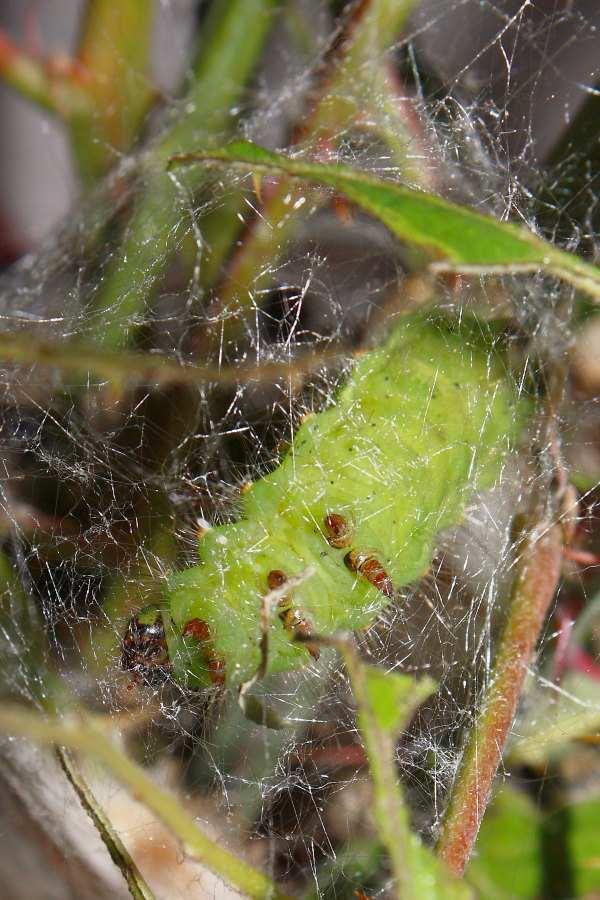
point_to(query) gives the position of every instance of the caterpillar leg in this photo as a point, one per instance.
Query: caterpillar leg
(363, 561)
(200, 630)
(292, 617)
(340, 533)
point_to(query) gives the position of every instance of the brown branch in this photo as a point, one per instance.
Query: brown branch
(535, 585)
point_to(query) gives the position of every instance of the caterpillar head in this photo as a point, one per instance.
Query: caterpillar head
(210, 629)
(144, 649)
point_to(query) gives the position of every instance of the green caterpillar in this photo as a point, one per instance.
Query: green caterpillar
(355, 504)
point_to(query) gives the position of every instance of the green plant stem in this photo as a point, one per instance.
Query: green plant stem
(389, 809)
(114, 49)
(386, 702)
(79, 733)
(136, 882)
(232, 41)
(534, 587)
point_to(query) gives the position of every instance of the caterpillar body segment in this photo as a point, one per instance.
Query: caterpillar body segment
(358, 499)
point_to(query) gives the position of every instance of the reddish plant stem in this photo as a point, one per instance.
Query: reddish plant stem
(58, 83)
(536, 581)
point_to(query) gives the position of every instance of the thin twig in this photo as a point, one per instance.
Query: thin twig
(119, 367)
(136, 882)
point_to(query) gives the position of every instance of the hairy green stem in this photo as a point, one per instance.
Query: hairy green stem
(389, 809)
(535, 585)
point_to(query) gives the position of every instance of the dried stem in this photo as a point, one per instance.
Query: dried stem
(120, 367)
(136, 882)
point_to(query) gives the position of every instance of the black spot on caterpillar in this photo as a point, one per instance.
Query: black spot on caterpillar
(358, 499)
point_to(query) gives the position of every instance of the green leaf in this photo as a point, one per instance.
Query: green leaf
(584, 840)
(394, 697)
(556, 719)
(506, 865)
(465, 240)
